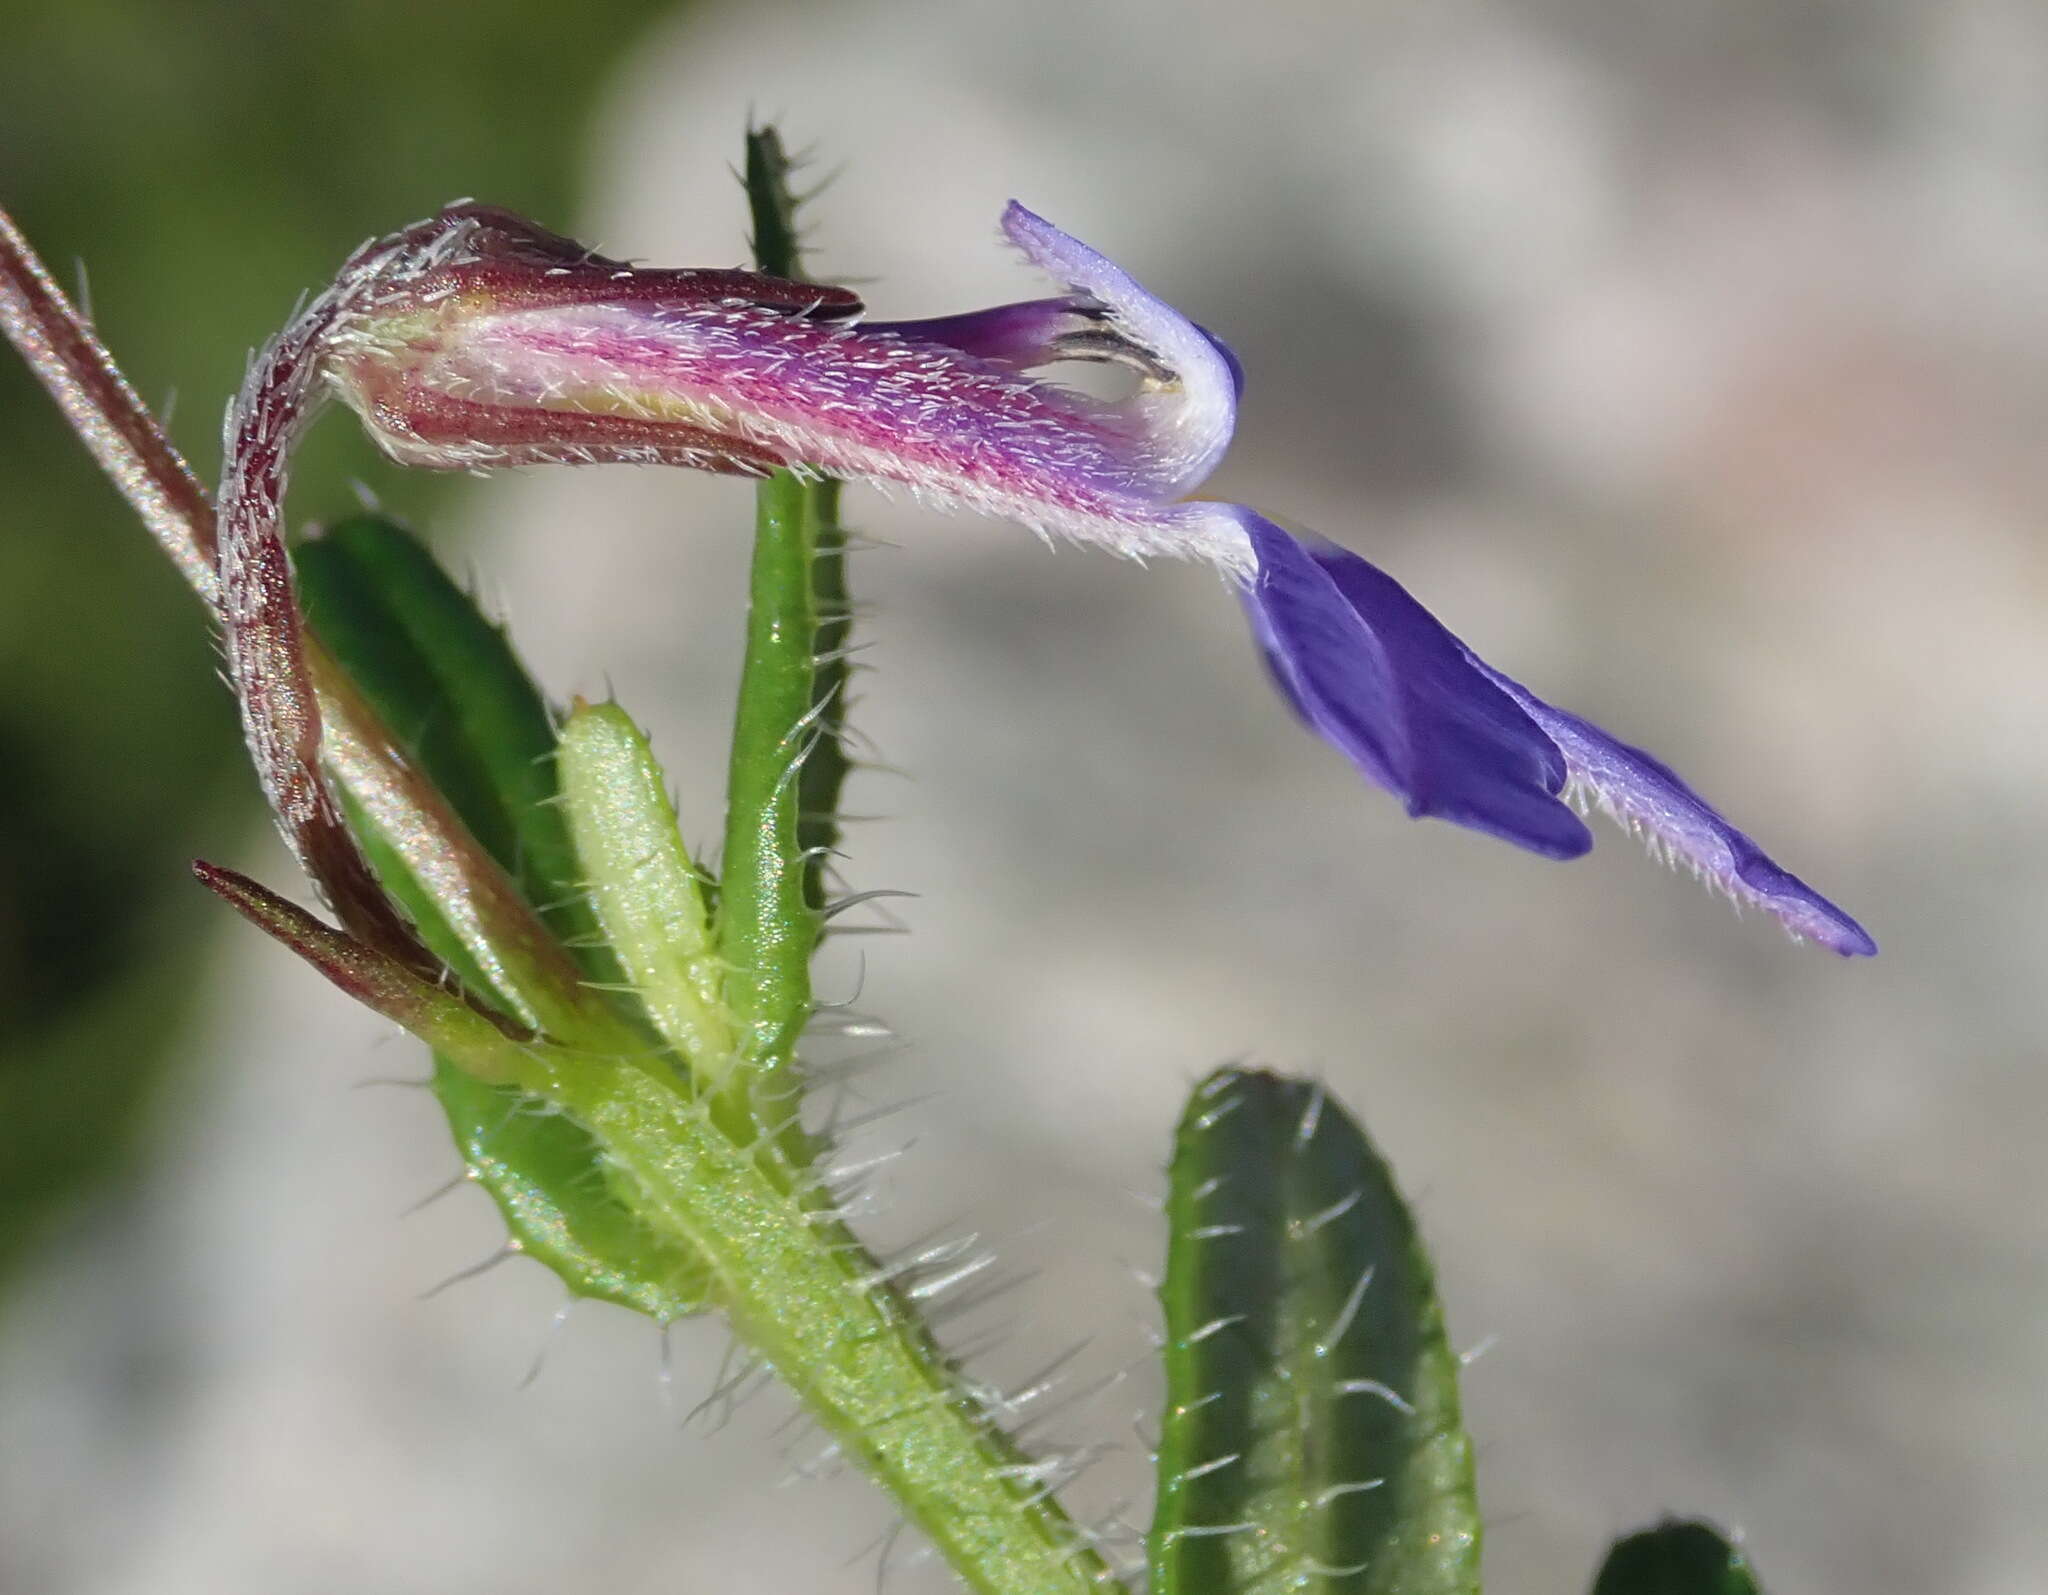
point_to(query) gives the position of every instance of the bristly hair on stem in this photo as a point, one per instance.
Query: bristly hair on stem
(774, 207)
(772, 204)
(788, 764)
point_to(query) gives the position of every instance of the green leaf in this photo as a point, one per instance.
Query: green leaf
(1312, 1439)
(1677, 1557)
(452, 811)
(550, 1186)
(543, 1172)
(448, 684)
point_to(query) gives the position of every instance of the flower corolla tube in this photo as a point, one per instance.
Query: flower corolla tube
(475, 340)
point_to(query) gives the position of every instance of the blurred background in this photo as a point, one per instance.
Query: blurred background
(1692, 362)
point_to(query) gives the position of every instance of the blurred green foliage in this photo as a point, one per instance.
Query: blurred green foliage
(1678, 1557)
(207, 161)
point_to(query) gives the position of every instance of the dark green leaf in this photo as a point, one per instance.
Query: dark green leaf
(448, 684)
(1312, 1439)
(788, 763)
(1676, 1558)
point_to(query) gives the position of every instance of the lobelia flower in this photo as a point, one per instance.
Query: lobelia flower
(475, 339)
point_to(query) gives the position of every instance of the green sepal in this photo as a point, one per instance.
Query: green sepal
(778, 249)
(1677, 1557)
(788, 760)
(1311, 1438)
(644, 887)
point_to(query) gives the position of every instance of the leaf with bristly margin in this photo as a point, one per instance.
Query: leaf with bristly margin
(542, 1172)
(1677, 1557)
(1311, 1438)
(448, 683)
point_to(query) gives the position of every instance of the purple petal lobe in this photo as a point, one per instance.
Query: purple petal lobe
(1648, 798)
(1376, 676)
(1189, 409)
(1231, 362)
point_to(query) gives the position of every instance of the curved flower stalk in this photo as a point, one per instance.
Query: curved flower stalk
(476, 339)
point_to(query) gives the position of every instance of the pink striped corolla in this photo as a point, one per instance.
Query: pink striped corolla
(484, 341)
(476, 340)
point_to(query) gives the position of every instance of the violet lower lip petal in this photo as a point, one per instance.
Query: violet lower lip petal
(477, 340)
(1375, 675)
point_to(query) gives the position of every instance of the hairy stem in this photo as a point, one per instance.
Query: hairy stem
(71, 362)
(806, 1298)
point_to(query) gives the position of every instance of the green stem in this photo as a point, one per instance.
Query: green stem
(715, 1222)
(807, 1299)
(800, 1290)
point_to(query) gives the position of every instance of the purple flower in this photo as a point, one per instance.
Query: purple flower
(475, 340)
